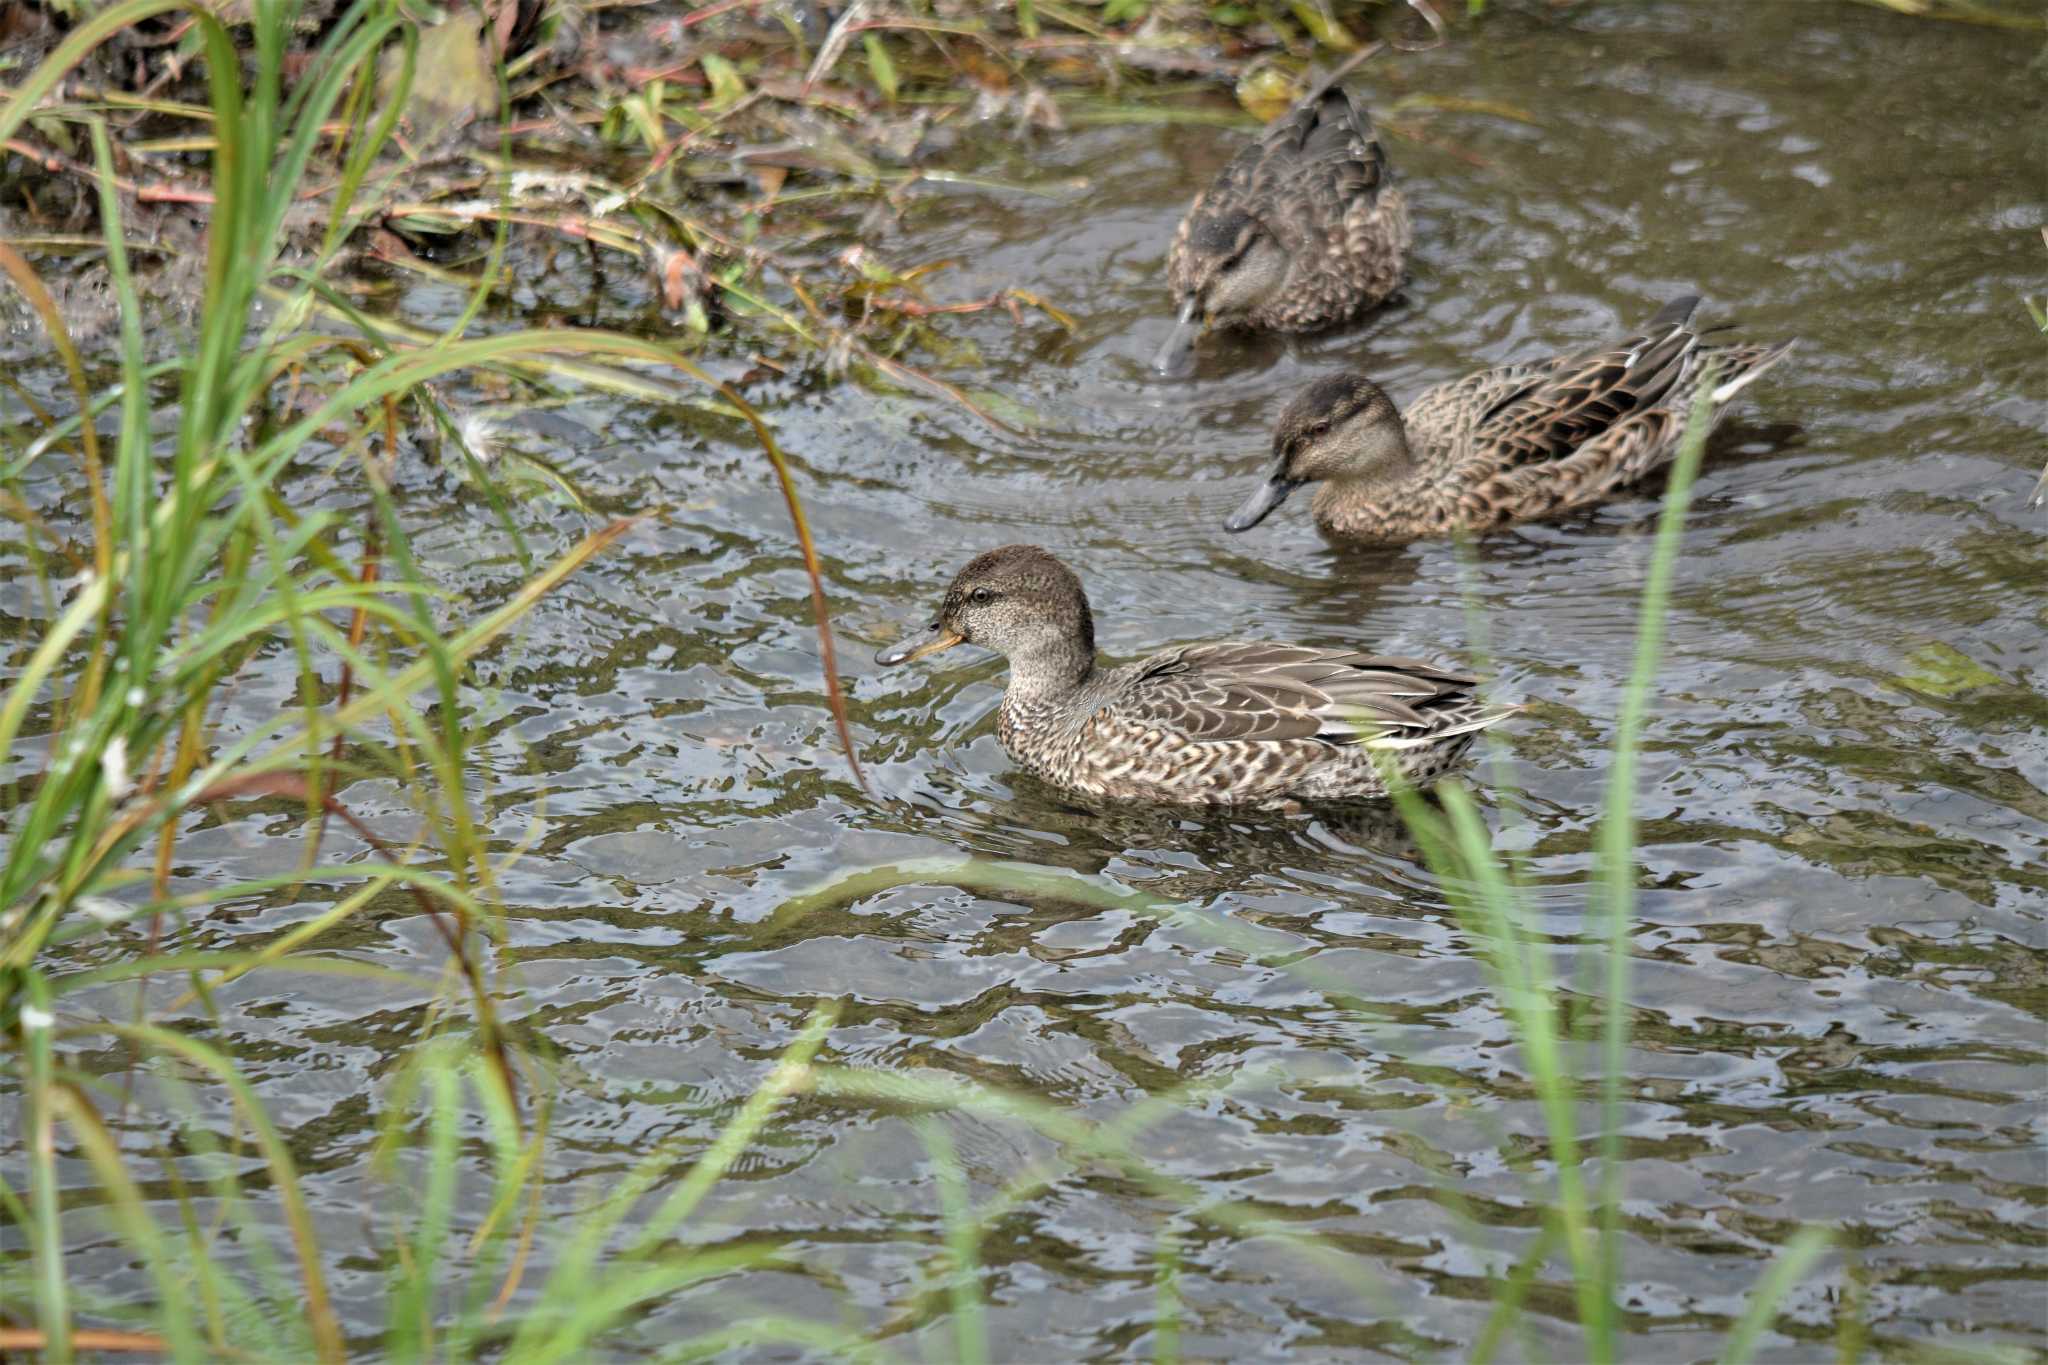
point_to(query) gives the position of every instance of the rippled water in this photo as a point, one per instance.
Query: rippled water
(1841, 952)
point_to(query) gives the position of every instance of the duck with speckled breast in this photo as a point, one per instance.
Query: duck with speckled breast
(1242, 723)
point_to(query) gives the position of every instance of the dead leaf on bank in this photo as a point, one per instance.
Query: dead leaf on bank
(1267, 92)
(387, 245)
(681, 280)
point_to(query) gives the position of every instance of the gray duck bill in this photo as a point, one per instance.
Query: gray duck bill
(933, 641)
(1261, 503)
(1176, 354)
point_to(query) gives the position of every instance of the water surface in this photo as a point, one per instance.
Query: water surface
(1844, 794)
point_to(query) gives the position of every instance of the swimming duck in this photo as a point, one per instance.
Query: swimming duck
(1238, 724)
(1510, 444)
(1302, 230)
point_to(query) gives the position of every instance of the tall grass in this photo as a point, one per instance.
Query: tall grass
(197, 567)
(1585, 1213)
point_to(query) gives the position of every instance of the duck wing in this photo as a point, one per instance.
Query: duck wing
(1322, 161)
(1534, 438)
(1315, 148)
(1271, 692)
(1547, 411)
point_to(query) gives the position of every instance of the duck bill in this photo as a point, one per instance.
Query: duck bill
(1261, 503)
(1176, 356)
(934, 641)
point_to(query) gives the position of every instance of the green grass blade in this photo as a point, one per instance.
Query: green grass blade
(1167, 1305)
(569, 1315)
(1530, 993)
(318, 1306)
(26, 97)
(963, 1275)
(124, 1207)
(1806, 1247)
(1510, 1294)
(411, 1335)
(46, 1233)
(1617, 836)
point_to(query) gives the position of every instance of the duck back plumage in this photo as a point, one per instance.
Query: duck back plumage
(1525, 441)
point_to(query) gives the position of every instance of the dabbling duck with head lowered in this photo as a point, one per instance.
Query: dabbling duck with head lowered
(1302, 230)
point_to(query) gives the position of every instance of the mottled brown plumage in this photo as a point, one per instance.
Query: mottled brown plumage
(1241, 723)
(1510, 444)
(1301, 231)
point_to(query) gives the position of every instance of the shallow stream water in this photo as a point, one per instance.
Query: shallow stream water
(1843, 940)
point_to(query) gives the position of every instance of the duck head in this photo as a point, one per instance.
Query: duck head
(1235, 267)
(1341, 428)
(1019, 601)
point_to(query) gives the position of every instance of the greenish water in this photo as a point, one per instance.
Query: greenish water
(1842, 948)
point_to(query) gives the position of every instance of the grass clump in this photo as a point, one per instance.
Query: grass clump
(196, 563)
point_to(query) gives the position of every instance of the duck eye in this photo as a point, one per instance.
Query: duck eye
(981, 597)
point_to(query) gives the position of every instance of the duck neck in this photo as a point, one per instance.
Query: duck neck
(1046, 668)
(1391, 477)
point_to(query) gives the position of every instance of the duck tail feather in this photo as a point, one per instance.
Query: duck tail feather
(1676, 313)
(1751, 371)
(1437, 734)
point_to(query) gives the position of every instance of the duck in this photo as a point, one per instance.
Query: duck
(1510, 444)
(1302, 230)
(1237, 723)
